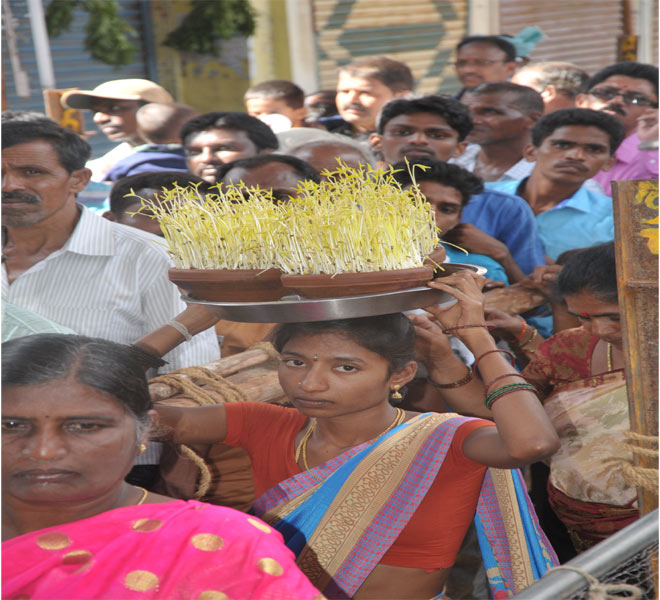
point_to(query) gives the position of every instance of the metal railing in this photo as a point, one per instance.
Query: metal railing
(629, 556)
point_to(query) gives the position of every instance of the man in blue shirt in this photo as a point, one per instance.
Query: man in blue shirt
(448, 188)
(569, 146)
(435, 127)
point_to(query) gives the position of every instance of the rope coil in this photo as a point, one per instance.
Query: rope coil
(216, 390)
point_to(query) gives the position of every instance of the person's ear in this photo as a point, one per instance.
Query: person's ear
(549, 93)
(146, 436)
(609, 163)
(108, 214)
(375, 141)
(582, 101)
(79, 179)
(510, 67)
(529, 153)
(460, 148)
(403, 376)
(299, 115)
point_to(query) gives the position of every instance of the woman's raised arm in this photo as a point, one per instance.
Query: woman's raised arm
(523, 432)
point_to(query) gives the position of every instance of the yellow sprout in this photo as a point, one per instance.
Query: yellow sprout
(358, 220)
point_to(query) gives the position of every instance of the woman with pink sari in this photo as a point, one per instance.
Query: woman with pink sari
(75, 413)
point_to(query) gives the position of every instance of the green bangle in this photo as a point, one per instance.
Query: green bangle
(506, 389)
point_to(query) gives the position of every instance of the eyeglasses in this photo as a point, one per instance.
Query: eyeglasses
(460, 64)
(607, 94)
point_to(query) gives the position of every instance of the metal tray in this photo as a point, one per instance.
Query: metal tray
(294, 309)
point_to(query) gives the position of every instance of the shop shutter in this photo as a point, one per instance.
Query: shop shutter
(421, 33)
(72, 64)
(584, 32)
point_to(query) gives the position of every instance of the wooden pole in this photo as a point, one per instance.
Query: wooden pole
(636, 241)
(627, 42)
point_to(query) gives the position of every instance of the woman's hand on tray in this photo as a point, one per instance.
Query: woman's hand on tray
(466, 287)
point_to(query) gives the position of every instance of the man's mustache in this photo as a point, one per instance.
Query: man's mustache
(354, 107)
(20, 197)
(617, 108)
(569, 163)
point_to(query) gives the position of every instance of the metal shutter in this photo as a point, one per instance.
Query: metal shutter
(584, 33)
(421, 33)
(72, 64)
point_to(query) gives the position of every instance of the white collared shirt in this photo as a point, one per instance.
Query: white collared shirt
(468, 160)
(109, 281)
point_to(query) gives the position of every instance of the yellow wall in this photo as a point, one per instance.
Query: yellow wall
(205, 82)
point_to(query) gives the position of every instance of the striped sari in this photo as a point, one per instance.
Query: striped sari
(341, 517)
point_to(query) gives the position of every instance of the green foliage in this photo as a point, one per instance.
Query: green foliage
(209, 21)
(107, 37)
(59, 16)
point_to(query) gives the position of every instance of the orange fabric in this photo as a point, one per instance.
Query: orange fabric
(433, 535)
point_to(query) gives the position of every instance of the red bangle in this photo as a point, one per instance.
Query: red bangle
(492, 381)
(522, 333)
(476, 362)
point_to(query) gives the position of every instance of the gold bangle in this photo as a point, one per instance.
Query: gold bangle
(529, 341)
(458, 383)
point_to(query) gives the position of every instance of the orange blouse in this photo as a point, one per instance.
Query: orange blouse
(433, 535)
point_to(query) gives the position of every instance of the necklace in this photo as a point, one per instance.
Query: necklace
(609, 357)
(302, 446)
(143, 497)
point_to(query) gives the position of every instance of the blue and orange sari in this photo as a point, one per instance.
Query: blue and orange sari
(340, 518)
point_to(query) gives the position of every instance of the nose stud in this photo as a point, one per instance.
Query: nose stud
(315, 357)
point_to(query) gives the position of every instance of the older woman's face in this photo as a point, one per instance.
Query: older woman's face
(64, 442)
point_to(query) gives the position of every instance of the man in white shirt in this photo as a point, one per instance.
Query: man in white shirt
(114, 104)
(503, 114)
(70, 265)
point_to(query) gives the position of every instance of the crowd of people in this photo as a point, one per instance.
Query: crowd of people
(357, 494)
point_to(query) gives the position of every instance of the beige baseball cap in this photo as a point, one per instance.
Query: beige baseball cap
(118, 89)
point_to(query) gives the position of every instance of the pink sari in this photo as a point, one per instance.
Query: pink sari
(177, 550)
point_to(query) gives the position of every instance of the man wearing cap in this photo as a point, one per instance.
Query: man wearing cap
(114, 104)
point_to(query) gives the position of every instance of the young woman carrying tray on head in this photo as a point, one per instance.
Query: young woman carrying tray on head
(373, 500)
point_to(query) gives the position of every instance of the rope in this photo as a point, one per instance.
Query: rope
(603, 591)
(214, 383)
(216, 390)
(645, 478)
(205, 472)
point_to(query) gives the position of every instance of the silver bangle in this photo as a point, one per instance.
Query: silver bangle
(182, 329)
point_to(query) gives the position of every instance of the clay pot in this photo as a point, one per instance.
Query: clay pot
(356, 284)
(224, 285)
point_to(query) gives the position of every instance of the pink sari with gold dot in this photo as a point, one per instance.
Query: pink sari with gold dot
(176, 550)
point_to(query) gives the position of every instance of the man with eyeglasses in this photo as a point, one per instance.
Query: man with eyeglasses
(629, 92)
(483, 58)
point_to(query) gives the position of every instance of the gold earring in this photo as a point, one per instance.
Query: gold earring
(143, 448)
(396, 395)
